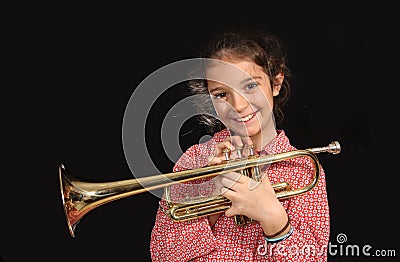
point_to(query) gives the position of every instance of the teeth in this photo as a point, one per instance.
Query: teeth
(246, 118)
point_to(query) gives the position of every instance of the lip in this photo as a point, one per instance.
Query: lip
(246, 118)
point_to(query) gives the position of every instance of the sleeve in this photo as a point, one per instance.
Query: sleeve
(309, 214)
(184, 240)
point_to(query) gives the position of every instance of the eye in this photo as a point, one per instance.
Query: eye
(251, 86)
(220, 95)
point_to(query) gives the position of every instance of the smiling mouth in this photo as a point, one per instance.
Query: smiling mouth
(246, 118)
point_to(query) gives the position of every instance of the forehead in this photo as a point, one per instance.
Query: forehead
(232, 73)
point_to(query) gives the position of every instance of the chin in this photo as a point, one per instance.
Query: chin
(249, 132)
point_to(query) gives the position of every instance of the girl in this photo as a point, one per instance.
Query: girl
(246, 77)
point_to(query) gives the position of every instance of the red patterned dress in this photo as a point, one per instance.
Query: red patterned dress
(195, 240)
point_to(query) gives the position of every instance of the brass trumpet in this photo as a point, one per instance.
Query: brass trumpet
(80, 197)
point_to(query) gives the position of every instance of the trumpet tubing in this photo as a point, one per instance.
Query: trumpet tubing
(80, 197)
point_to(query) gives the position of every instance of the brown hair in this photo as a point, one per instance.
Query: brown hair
(262, 48)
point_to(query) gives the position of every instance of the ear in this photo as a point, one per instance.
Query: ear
(277, 84)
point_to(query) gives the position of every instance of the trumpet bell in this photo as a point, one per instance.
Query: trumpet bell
(65, 187)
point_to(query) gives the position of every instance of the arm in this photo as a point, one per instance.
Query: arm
(309, 215)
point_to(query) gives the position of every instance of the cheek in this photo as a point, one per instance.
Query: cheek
(263, 101)
(221, 108)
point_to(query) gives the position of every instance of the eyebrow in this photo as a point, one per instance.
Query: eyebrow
(215, 89)
(241, 82)
(250, 79)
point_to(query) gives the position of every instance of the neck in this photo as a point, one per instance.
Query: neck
(262, 139)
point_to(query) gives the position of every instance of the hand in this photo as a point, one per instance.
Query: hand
(233, 143)
(238, 147)
(253, 199)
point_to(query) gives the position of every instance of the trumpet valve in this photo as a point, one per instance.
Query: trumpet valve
(226, 152)
(239, 152)
(251, 150)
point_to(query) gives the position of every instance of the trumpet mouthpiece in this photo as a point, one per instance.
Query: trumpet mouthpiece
(334, 147)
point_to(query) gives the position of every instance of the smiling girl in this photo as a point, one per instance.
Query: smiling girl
(246, 78)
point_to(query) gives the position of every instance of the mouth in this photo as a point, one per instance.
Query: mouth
(246, 118)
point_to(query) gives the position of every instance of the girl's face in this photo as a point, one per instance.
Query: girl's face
(243, 97)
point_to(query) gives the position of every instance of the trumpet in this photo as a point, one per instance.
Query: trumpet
(80, 197)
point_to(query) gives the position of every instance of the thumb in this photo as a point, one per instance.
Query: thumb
(266, 182)
(280, 186)
(229, 212)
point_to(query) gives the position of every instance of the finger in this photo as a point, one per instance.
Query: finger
(245, 144)
(217, 184)
(241, 141)
(227, 183)
(225, 144)
(267, 183)
(247, 140)
(253, 184)
(219, 150)
(236, 141)
(226, 192)
(213, 160)
(233, 176)
(265, 178)
(229, 180)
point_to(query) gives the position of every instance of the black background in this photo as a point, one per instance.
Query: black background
(72, 70)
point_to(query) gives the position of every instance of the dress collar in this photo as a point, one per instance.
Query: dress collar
(277, 145)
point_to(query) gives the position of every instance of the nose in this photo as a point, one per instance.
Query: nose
(239, 102)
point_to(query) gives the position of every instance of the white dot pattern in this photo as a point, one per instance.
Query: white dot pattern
(194, 240)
